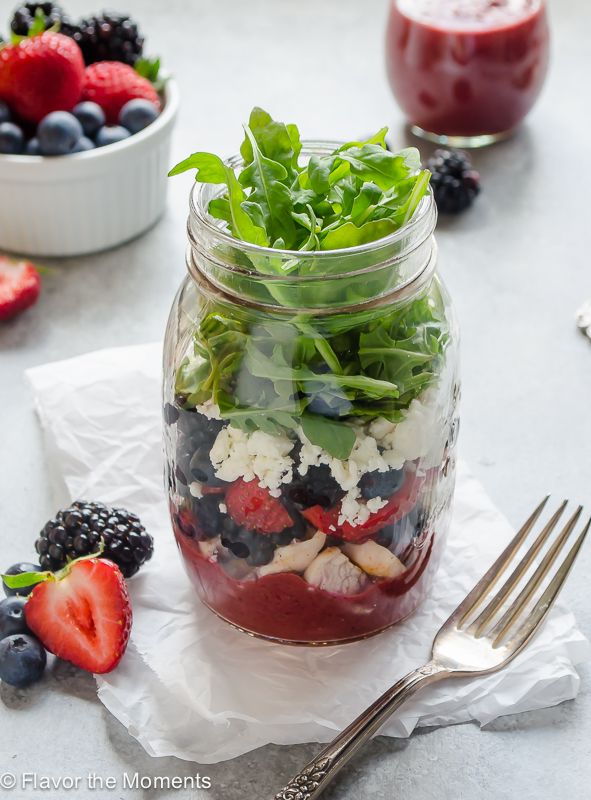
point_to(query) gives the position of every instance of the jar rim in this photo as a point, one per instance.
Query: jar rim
(425, 214)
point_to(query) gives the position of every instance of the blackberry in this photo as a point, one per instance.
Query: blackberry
(455, 184)
(24, 16)
(381, 484)
(78, 530)
(316, 488)
(110, 37)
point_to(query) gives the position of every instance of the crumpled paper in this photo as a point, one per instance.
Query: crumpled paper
(193, 687)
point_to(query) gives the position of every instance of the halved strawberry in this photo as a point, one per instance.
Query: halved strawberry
(254, 507)
(398, 506)
(83, 614)
(20, 285)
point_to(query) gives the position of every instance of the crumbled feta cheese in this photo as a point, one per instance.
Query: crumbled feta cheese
(223, 508)
(355, 512)
(195, 489)
(236, 454)
(418, 435)
(375, 504)
(365, 457)
(333, 572)
(209, 409)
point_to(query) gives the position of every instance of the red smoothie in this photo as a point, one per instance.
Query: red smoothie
(467, 69)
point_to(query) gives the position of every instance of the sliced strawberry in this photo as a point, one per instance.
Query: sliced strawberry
(254, 507)
(20, 285)
(83, 614)
(398, 506)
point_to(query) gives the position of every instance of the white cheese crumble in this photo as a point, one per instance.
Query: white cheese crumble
(195, 489)
(209, 409)
(356, 513)
(223, 508)
(236, 454)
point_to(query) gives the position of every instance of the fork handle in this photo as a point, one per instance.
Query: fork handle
(318, 773)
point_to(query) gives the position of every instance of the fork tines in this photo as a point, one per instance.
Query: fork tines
(519, 606)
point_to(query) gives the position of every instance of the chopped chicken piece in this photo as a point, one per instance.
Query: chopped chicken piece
(295, 557)
(374, 559)
(333, 571)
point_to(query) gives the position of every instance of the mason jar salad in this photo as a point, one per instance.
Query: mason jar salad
(311, 387)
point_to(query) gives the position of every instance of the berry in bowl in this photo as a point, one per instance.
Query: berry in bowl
(85, 129)
(310, 387)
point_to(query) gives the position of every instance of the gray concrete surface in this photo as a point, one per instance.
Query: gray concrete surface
(518, 267)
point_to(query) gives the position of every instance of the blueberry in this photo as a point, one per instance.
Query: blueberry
(5, 115)
(201, 469)
(381, 484)
(18, 569)
(111, 134)
(12, 616)
(32, 147)
(137, 114)
(11, 138)
(22, 660)
(208, 515)
(91, 116)
(82, 145)
(198, 428)
(58, 133)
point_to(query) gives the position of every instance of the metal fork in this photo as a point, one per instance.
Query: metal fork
(484, 633)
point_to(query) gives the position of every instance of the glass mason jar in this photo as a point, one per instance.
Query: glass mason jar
(310, 424)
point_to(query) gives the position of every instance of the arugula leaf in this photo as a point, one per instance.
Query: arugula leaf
(372, 163)
(210, 168)
(264, 176)
(334, 437)
(349, 235)
(242, 224)
(276, 141)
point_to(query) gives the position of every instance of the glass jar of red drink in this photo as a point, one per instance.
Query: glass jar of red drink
(288, 540)
(466, 72)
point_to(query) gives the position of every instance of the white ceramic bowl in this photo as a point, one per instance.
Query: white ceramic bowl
(83, 203)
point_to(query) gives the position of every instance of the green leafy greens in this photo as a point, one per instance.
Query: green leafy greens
(359, 193)
(273, 371)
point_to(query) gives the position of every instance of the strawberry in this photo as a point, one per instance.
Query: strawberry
(20, 285)
(111, 84)
(41, 74)
(254, 507)
(398, 506)
(82, 614)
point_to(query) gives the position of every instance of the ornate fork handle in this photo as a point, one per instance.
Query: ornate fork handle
(315, 777)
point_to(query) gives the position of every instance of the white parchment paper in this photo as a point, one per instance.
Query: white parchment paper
(191, 686)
